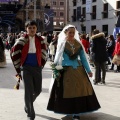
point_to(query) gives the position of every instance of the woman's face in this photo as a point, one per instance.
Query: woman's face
(70, 33)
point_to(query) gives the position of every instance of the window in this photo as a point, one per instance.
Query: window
(83, 1)
(55, 14)
(105, 29)
(84, 12)
(78, 13)
(74, 15)
(83, 28)
(105, 10)
(118, 7)
(118, 4)
(94, 0)
(61, 3)
(54, 23)
(93, 14)
(54, 3)
(74, 2)
(61, 14)
(93, 27)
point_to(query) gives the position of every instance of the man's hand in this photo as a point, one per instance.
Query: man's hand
(19, 76)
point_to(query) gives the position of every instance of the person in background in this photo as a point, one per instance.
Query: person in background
(85, 42)
(110, 48)
(72, 92)
(117, 50)
(29, 52)
(2, 54)
(44, 36)
(100, 55)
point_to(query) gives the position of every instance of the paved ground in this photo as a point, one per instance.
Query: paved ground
(11, 100)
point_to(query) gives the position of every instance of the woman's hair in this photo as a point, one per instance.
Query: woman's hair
(95, 31)
(83, 36)
(68, 29)
(111, 37)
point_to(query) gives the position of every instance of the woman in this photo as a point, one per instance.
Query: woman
(110, 48)
(74, 93)
(85, 42)
(117, 50)
(100, 55)
(2, 54)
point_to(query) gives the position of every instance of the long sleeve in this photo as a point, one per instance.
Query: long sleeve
(84, 61)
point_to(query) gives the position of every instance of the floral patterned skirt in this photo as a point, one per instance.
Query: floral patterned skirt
(83, 101)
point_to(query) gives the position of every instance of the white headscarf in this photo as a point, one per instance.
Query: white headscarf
(61, 44)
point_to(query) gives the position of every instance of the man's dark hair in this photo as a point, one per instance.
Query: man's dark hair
(30, 22)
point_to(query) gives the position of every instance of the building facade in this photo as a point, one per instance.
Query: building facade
(87, 15)
(60, 8)
(19, 11)
(35, 10)
(8, 11)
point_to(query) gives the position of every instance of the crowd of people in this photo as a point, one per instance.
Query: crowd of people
(74, 53)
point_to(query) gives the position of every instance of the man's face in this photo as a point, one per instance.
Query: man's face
(31, 30)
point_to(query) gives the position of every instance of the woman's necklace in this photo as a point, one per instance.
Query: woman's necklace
(72, 46)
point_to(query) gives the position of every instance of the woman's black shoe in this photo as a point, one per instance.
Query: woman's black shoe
(102, 82)
(76, 117)
(95, 83)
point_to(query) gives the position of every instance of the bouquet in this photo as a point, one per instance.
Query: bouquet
(56, 72)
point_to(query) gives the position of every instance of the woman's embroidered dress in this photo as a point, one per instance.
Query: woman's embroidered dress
(75, 94)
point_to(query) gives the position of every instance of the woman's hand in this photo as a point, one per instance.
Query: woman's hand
(90, 74)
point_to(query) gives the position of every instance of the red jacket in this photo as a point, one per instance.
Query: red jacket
(117, 48)
(86, 44)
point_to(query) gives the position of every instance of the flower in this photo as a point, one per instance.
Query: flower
(56, 72)
(59, 67)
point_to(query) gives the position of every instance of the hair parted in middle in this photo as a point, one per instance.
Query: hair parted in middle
(68, 29)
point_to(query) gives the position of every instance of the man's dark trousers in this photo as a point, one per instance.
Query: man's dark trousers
(32, 77)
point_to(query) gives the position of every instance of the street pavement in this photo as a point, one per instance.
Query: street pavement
(12, 101)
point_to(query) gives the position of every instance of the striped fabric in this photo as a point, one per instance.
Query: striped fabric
(16, 52)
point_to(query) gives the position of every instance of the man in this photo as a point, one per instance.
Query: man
(30, 52)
